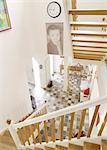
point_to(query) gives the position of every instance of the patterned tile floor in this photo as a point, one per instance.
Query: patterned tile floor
(58, 99)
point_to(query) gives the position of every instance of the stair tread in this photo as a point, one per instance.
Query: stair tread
(49, 148)
(75, 147)
(6, 141)
(88, 12)
(93, 40)
(60, 147)
(85, 32)
(78, 23)
(102, 50)
(38, 148)
(89, 146)
(104, 144)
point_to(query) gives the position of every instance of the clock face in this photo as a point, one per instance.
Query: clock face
(54, 9)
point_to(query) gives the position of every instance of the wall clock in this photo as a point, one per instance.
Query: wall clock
(54, 9)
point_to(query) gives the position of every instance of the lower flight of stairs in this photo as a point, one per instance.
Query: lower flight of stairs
(86, 146)
(6, 143)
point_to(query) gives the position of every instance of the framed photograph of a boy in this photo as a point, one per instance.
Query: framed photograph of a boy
(54, 38)
(4, 16)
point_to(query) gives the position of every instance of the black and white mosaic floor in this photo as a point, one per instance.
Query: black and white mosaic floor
(58, 99)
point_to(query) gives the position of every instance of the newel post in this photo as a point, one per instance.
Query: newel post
(14, 135)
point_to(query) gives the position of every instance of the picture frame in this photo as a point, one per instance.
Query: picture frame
(55, 36)
(5, 23)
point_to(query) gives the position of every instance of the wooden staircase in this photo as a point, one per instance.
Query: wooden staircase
(48, 130)
(84, 34)
(7, 143)
(21, 133)
(6, 140)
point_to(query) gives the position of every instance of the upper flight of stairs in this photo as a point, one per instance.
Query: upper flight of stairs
(83, 31)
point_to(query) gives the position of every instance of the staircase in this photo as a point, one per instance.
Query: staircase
(7, 143)
(89, 37)
(48, 130)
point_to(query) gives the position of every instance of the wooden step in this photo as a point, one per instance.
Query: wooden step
(90, 45)
(104, 144)
(38, 148)
(88, 24)
(90, 49)
(49, 148)
(88, 33)
(88, 57)
(91, 40)
(75, 147)
(59, 147)
(87, 12)
(6, 141)
(7, 147)
(91, 146)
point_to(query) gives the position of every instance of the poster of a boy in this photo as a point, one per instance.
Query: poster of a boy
(55, 38)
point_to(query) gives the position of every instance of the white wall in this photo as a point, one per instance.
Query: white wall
(25, 40)
(102, 78)
(36, 18)
(14, 94)
(30, 74)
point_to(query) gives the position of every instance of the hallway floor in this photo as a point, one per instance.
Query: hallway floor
(58, 99)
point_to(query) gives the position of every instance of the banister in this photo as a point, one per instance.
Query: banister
(65, 111)
(36, 112)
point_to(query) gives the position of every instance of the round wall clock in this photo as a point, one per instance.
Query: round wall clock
(54, 9)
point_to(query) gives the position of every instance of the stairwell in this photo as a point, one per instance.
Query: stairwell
(27, 134)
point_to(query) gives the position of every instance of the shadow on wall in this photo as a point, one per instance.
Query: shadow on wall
(36, 72)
